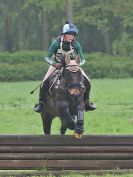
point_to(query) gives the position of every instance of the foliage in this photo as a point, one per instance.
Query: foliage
(105, 18)
(29, 65)
(31, 24)
(124, 46)
(22, 66)
(100, 65)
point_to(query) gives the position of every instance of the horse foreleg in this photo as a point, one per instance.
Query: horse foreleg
(80, 120)
(47, 121)
(63, 128)
(66, 116)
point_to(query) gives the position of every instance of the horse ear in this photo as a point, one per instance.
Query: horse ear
(78, 59)
(67, 59)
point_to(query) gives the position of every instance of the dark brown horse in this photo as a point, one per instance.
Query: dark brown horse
(66, 98)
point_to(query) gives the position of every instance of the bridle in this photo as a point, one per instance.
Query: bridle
(73, 68)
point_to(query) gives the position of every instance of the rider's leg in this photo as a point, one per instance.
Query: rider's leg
(88, 105)
(44, 90)
(42, 96)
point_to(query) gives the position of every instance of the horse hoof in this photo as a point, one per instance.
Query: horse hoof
(71, 126)
(78, 135)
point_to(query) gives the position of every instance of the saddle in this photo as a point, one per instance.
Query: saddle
(55, 79)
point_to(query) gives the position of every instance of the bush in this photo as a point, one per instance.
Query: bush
(99, 65)
(124, 46)
(29, 65)
(20, 66)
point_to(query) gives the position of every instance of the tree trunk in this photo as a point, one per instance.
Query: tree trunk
(45, 30)
(69, 11)
(8, 40)
(22, 44)
(108, 48)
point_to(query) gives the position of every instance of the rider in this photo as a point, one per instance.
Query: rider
(66, 42)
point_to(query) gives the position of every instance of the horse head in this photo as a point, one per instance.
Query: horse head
(72, 74)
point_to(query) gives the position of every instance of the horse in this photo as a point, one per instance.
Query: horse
(66, 98)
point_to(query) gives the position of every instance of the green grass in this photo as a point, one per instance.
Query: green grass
(126, 175)
(114, 114)
(74, 174)
(108, 175)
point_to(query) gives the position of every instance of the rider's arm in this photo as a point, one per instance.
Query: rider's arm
(79, 51)
(51, 51)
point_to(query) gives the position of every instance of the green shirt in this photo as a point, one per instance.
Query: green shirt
(56, 45)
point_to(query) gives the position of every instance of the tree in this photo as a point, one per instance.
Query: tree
(106, 17)
(70, 10)
(32, 24)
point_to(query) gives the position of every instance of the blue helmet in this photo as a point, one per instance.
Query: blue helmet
(70, 28)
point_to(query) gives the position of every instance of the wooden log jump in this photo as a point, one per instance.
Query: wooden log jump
(57, 152)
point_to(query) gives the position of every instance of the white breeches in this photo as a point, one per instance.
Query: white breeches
(52, 69)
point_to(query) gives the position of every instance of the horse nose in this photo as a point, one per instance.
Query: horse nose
(74, 91)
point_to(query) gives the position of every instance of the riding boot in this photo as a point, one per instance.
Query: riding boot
(89, 106)
(42, 97)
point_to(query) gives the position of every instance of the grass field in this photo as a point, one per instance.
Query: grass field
(114, 114)
(76, 175)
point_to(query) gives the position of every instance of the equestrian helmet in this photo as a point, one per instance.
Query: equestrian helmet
(70, 29)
